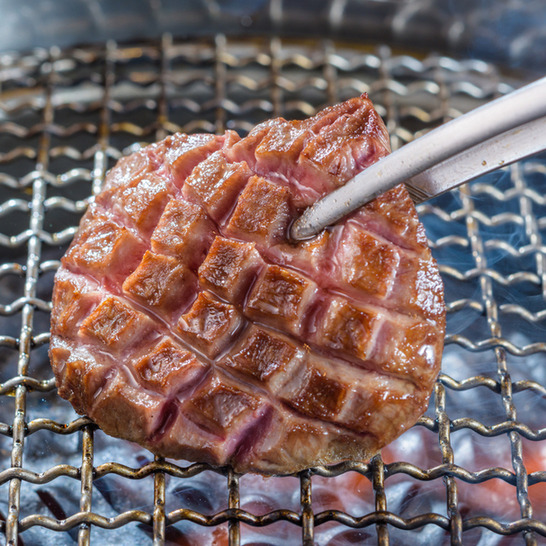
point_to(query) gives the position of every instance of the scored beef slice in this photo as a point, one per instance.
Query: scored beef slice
(185, 319)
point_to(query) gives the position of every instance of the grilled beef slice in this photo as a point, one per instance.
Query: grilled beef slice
(185, 319)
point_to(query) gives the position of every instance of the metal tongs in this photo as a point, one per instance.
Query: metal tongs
(494, 135)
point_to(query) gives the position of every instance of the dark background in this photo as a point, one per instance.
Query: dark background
(509, 32)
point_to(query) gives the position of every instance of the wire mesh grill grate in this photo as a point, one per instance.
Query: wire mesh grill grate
(66, 116)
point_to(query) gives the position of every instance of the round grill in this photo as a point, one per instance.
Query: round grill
(66, 116)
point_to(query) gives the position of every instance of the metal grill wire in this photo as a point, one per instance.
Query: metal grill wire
(67, 116)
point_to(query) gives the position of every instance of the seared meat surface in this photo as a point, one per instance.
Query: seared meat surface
(184, 318)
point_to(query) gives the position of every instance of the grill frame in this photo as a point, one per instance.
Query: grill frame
(41, 82)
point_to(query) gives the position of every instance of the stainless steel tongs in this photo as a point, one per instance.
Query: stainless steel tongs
(496, 134)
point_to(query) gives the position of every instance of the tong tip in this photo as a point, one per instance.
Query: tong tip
(302, 229)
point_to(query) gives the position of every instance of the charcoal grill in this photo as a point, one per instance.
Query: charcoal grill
(66, 116)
